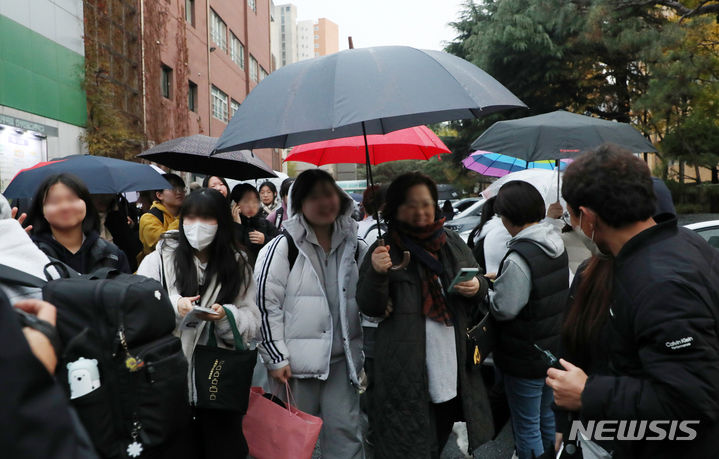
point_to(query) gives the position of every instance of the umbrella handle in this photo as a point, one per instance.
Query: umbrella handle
(405, 258)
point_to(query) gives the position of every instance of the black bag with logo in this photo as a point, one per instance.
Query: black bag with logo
(223, 377)
(124, 322)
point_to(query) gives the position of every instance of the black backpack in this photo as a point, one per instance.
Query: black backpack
(113, 317)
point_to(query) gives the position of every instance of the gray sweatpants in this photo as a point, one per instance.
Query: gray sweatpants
(337, 402)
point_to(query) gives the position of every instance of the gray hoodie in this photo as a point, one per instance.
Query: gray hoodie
(513, 286)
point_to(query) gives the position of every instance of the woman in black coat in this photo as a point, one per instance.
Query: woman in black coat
(423, 382)
(65, 226)
(253, 230)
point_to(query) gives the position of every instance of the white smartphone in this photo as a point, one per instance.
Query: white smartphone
(207, 310)
(463, 275)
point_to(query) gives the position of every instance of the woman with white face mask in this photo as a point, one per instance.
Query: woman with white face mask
(201, 265)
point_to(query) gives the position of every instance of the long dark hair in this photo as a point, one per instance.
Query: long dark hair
(397, 194)
(486, 215)
(589, 308)
(306, 182)
(36, 217)
(231, 272)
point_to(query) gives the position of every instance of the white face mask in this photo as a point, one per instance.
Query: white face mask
(199, 234)
(586, 240)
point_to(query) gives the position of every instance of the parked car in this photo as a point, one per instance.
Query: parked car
(709, 230)
(467, 219)
(463, 204)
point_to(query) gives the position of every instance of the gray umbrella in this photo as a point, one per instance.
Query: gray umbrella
(386, 88)
(558, 135)
(192, 154)
(359, 92)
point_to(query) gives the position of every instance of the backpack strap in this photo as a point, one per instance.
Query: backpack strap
(157, 213)
(279, 216)
(14, 276)
(292, 250)
(374, 227)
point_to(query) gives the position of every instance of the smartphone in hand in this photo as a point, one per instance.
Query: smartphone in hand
(464, 275)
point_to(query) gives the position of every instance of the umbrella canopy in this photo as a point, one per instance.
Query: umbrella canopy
(496, 165)
(101, 175)
(558, 135)
(192, 154)
(417, 142)
(380, 89)
(545, 181)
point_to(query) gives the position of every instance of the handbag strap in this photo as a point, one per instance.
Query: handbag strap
(212, 341)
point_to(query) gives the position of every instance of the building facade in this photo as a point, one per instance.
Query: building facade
(201, 58)
(42, 101)
(287, 33)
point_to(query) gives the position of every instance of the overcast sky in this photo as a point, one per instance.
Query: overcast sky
(419, 23)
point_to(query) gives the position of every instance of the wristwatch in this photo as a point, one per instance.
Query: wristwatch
(44, 327)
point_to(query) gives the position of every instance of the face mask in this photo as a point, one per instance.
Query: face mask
(586, 240)
(200, 235)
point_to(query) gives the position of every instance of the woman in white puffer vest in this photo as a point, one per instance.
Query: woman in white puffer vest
(311, 334)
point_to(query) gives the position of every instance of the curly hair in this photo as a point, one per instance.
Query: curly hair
(613, 183)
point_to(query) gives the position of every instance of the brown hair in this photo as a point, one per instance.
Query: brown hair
(590, 307)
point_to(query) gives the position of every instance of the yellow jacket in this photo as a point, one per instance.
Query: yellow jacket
(152, 228)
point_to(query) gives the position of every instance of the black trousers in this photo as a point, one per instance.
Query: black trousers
(444, 415)
(219, 434)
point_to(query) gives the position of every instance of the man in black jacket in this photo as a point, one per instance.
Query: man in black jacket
(663, 348)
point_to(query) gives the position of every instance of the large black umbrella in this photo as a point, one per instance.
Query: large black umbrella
(558, 135)
(100, 174)
(192, 154)
(359, 92)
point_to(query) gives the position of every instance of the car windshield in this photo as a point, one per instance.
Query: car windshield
(475, 210)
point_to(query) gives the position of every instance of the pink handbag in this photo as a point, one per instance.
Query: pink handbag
(275, 432)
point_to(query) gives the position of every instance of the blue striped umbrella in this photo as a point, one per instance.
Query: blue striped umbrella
(498, 165)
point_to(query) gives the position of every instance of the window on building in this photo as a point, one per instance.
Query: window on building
(219, 104)
(263, 73)
(166, 82)
(190, 12)
(237, 51)
(218, 30)
(234, 105)
(192, 96)
(253, 69)
(252, 4)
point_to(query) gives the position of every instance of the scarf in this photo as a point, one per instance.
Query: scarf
(424, 244)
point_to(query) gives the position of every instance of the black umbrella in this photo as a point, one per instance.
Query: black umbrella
(100, 174)
(192, 154)
(359, 92)
(558, 135)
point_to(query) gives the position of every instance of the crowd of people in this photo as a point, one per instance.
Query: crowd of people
(625, 299)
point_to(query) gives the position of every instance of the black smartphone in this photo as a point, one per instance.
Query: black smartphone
(549, 358)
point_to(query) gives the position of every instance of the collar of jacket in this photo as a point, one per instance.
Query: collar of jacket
(665, 227)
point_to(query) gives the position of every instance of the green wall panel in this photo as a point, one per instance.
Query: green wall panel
(40, 76)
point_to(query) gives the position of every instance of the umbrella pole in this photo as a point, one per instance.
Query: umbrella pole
(380, 241)
(558, 164)
(370, 179)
